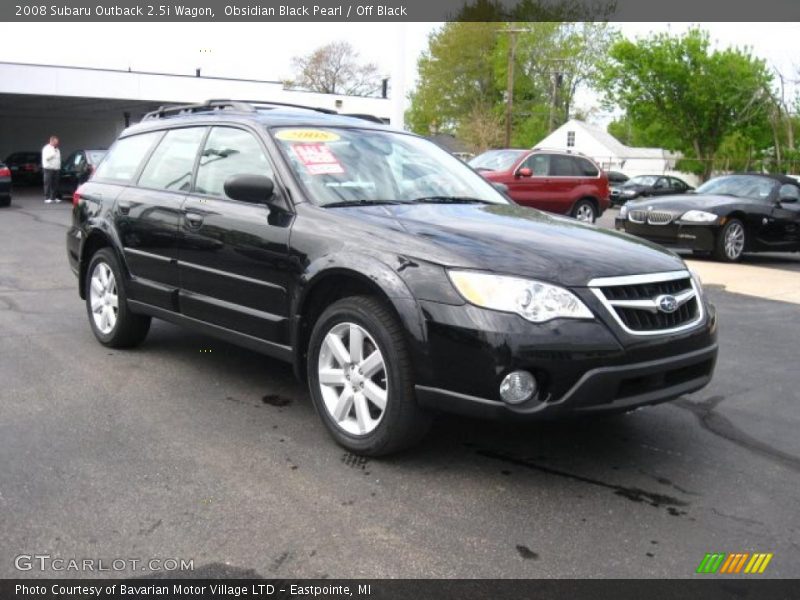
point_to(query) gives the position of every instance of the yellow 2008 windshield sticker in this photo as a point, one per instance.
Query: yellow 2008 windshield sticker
(306, 135)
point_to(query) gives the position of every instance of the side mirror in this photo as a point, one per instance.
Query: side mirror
(788, 194)
(524, 172)
(256, 189)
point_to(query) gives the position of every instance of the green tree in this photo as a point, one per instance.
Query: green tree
(690, 95)
(463, 78)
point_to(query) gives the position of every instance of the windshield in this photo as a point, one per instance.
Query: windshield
(641, 180)
(343, 165)
(496, 160)
(740, 186)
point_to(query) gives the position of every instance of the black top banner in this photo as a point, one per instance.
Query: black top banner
(398, 589)
(400, 10)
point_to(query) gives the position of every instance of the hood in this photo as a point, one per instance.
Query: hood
(514, 240)
(684, 202)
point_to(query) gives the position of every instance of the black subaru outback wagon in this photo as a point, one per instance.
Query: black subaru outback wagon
(397, 280)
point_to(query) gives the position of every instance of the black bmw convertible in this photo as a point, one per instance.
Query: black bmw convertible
(725, 217)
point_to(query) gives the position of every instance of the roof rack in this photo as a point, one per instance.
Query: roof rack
(365, 117)
(242, 106)
(207, 106)
(254, 104)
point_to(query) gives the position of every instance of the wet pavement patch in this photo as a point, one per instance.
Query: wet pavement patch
(526, 552)
(631, 493)
(276, 400)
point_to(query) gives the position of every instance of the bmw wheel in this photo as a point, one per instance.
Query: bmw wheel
(584, 211)
(731, 241)
(360, 378)
(111, 320)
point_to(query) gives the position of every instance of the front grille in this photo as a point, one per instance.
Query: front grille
(642, 320)
(645, 291)
(651, 217)
(634, 302)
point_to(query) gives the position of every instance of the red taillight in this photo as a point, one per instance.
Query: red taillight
(76, 198)
(5, 172)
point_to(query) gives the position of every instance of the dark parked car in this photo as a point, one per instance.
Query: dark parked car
(395, 279)
(649, 185)
(77, 168)
(5, 185)
(550, 180)
(26, 167)
(726, 216)
(615, 181)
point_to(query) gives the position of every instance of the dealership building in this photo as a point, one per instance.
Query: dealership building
(88, 108)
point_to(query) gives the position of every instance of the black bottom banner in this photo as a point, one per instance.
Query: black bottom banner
(401, 589)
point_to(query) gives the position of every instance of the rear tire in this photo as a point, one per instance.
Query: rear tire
(731, 242)
(584, 211)
(112, 322)
(361, 381)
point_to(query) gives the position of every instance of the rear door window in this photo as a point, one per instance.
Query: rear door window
(563, 166)
(126, 155)
(171, 164)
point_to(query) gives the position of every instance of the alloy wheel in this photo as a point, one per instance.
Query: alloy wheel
(104, 299)
(734, 241)
(585, 213)
(353, 379)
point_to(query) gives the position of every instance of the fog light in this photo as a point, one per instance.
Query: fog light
(518, 387)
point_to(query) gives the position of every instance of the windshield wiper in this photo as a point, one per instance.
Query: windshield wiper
(450, 200)
(342, 203)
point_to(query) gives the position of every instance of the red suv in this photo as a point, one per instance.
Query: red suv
(559, 182)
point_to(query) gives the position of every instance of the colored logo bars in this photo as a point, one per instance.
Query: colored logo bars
(720, 562)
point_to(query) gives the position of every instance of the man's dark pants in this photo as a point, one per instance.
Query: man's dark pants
(50, 183)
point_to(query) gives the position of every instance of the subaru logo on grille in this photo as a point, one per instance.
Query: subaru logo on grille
(667, 303)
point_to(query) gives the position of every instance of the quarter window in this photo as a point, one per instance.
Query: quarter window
(586, 167)
(125, 156)
(228, 152)
(170, 166)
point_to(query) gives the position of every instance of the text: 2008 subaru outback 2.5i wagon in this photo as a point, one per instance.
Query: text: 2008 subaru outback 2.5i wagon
(396, 279)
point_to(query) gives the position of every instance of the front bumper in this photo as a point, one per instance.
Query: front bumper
(698, 237)
(582, 367)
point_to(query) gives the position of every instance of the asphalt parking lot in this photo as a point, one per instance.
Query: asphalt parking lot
(191, 448)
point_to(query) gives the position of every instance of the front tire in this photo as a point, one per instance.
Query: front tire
(112, 322)
(361, 381)
(731, 241)
(584, 211)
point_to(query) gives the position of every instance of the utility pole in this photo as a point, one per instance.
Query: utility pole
(512, 50)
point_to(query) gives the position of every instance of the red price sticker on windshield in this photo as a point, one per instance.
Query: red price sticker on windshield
(317, 159)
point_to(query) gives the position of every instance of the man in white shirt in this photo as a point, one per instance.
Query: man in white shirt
(51, 168)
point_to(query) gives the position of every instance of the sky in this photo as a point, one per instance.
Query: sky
(264, 50)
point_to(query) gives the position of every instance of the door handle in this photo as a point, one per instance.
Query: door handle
(194, 220)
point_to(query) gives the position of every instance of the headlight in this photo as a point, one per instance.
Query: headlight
(623, 211)
(698, 216)
(628, 192)
(533, 300)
